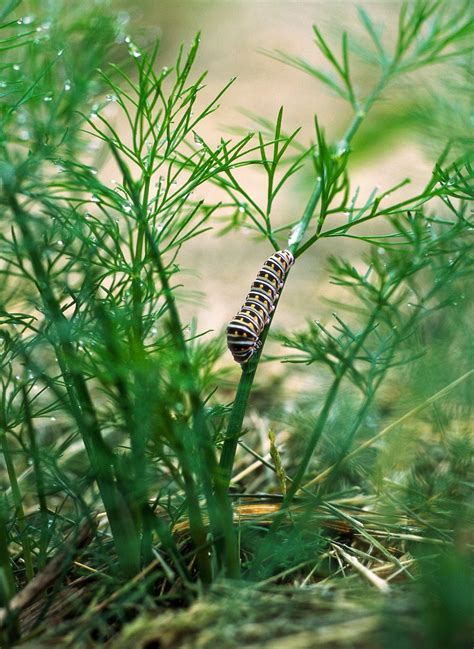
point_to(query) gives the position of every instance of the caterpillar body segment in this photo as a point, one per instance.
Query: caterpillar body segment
(244, 330)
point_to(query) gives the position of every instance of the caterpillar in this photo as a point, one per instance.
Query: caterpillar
(243, 331)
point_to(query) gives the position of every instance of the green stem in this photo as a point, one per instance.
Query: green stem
(361, 114)
(300, 230)
(295, 485)
(20, 512)
(40, 489)
(236, 419)
(219, 506)
(7, 582)
(5, 564)
(246, 381)
(135, 485)
(100, 456)
(312, 443)
(248, 374)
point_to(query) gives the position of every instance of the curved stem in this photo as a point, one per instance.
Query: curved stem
(248, 373)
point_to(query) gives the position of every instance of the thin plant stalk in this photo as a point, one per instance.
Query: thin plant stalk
(18, 503)
(11, 632)
(219, 507)
(123, 530)
(244, 388)
(39, 479)
(5, 564)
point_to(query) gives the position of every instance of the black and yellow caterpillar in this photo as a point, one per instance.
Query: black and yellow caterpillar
(243, 331)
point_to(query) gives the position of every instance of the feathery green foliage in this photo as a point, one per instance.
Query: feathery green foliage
(108, 399)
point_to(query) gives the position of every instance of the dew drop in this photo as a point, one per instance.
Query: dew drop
(52, 418)
(94, 199)
(60, 52)
(16, 67)
(3, 84)
(134, 51)
(111, 98)
(67, 85)
(48, 97)
(60, 243)
(197, 139)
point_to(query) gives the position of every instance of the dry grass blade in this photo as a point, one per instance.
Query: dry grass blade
(371, 577)
(53, 571)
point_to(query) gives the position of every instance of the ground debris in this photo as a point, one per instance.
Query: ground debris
(231, 618)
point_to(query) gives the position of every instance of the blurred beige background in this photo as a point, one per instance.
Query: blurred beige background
(233, 35)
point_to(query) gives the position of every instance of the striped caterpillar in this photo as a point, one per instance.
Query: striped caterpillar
(243, 331)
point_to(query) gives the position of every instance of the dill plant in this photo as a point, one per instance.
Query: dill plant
(98, 369)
